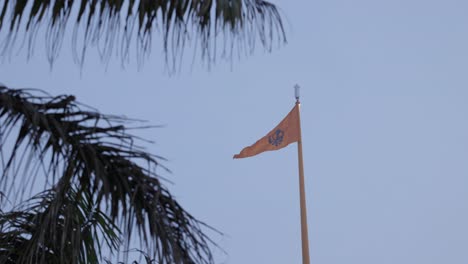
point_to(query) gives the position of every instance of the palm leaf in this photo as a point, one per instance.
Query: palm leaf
(107, 24)
(38, 233)
(85, 152)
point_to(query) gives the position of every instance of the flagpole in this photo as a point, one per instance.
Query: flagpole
(302, 195)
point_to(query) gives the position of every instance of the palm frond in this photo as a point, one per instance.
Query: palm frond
(79, 148)
(107, 23)
(41, 232)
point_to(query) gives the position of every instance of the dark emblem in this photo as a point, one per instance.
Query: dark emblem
(276, 138)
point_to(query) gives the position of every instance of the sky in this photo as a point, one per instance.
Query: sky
(384, 124)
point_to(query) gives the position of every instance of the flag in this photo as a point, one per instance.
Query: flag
(285, 133)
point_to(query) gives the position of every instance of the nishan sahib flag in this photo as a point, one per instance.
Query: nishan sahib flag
(285, 133)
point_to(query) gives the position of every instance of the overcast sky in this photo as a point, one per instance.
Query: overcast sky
(385, 132)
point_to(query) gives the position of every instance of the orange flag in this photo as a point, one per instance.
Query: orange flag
(285, 133)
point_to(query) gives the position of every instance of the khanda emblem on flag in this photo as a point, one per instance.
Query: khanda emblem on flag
(276, 138)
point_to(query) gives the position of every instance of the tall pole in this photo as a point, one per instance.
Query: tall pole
(302, 195)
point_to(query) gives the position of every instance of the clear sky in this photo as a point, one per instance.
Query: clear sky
(385, 132)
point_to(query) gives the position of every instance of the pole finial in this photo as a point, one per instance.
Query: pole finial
(297, 92)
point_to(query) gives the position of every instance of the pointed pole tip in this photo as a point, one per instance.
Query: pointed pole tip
(297, 92)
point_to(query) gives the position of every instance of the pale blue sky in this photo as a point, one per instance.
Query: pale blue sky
(385, 131)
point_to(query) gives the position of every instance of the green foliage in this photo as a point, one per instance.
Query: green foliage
(107, 23)
(103, 189)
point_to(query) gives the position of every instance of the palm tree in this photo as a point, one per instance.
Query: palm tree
(102, 191)
(107, 23)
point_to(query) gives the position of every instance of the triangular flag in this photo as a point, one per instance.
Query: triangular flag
(285, 133)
